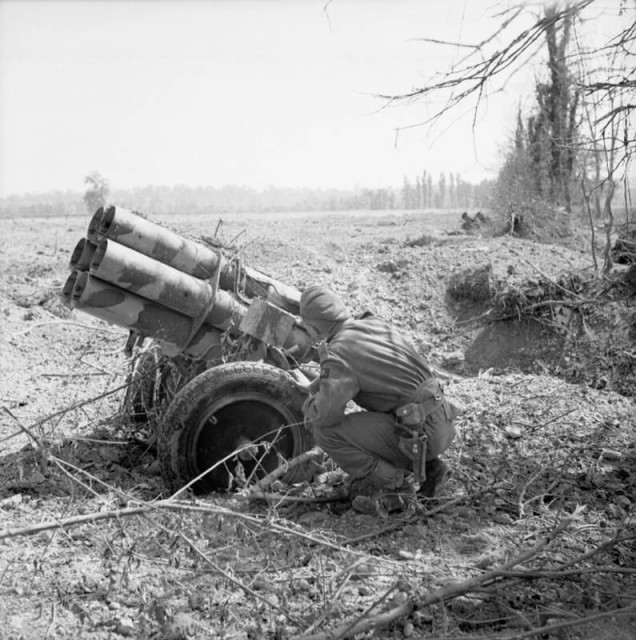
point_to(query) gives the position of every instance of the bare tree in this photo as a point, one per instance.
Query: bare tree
(486, 68)
(590, 86)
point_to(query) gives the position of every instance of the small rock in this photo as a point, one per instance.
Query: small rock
(180, 627)
(513, 432)
(303, 585)
(502, 517)
(408, 629)
(453, 360)
(15, 623)
(37, 478)
(109, 454)
(11, 502)
(416, 530)
(125, 627)
(388, 267)
(615, 511)
(420, 618)
(623, 501)
(153, 469)
(260, 584)
(311, 519)
(364, 570)
(196, 601)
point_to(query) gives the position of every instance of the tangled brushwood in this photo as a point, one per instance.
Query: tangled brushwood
(592, 318)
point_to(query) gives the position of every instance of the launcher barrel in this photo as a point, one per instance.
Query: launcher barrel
(133, 273)
(143, 236)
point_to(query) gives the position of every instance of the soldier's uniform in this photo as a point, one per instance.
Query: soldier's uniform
(366, 360)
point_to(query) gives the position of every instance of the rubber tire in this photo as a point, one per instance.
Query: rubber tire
(259, 396)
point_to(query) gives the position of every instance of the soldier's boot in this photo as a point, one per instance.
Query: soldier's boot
(385, 490)
(437, 475)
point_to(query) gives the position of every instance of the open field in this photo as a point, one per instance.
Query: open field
(539, 512)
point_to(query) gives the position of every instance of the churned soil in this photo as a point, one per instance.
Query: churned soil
(535, 531)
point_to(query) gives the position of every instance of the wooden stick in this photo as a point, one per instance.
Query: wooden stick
(169, 504)
(362, 624)
(77, 405)
(375, 622)
(284, 467)
(551, 420)
(78, 520)
(552, 280)
(555, 626)
(559, 573)
(451, 591)
(458, 588)
(26, 430)
(327, 609)
(235, 581)
(401, 523)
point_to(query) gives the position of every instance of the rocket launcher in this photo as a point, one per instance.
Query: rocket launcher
(188, 296)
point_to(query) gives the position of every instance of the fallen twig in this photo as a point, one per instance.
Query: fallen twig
(26, 430)
(74, 375)
(554, 282)
(440, 595)
(557, 573)
(458, 588)
(362, 624)
(522, 493)
(561, 415)
(321, 618)
(422, 514)
(77, 405)
(555, 626)
(283, 468)
(169, 504)
(78, 520)
(235, 581)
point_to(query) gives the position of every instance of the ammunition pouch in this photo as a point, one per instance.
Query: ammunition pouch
(429, 398)
(428, 421)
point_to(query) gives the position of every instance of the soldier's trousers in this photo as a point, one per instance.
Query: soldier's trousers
(359, 440)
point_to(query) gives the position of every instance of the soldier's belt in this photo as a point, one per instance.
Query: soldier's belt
(430, 398)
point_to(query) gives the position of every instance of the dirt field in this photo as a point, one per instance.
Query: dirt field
(539, 513)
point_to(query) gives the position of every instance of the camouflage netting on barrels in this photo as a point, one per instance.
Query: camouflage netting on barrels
(595, 316)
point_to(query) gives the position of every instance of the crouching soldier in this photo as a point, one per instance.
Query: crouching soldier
(406, 423)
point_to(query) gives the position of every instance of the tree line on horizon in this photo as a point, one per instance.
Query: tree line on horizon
(449, 191)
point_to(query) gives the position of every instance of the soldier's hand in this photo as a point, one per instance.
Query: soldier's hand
(300, 380)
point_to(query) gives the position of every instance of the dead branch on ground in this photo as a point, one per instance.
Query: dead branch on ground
(453, 590)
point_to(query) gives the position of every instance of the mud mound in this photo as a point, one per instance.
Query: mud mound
(576, 325)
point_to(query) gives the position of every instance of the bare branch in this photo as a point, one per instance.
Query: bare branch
(447, 43)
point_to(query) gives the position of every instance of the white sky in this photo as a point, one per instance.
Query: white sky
(213, 92)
